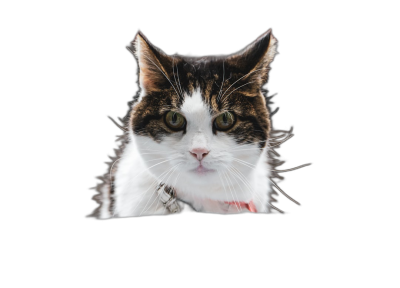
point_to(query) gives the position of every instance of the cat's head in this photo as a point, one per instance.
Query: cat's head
(199, 120)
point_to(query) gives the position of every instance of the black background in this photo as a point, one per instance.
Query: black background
(102, 79)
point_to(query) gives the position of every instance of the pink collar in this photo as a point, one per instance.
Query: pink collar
(249, 206)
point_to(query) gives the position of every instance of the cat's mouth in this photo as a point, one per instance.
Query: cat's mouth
(201, 170)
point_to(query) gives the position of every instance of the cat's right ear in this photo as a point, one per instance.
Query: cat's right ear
(151, 61)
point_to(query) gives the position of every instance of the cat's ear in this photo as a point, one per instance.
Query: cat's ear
(151, 61)
(255, 59)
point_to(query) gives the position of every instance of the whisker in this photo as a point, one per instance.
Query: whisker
(154, 182)
(176, 179)
(223, 79)
(152, 150)
(151, 167)
(179, 81)
(244, 162)
(156, 159)
(223, 99)
(248, 144)
(145, 149)
(219, 173)
(230, 189)
(159, 195)
(255, 194)
(155, 153)
(230, 76)
(164, 75)
(249, 185)
(238, 176)
(248, 165)
(223, 185)
(173, 71)
(247, 149)
(240, 79)
(222, 182)
(246, 183)
(140, 195)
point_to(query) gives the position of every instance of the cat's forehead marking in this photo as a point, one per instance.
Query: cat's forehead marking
(196, 111)
(193, 103)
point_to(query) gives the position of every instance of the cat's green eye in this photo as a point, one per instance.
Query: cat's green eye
(175, 121)
(224, 121)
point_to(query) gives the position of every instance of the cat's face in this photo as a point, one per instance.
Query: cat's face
(204, 119)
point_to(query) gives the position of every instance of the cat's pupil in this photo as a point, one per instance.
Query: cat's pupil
(225, 118)
(174, 118)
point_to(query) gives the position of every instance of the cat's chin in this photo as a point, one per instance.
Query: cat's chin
(198, 179)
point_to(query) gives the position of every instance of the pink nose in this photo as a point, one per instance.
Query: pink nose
(199, 153)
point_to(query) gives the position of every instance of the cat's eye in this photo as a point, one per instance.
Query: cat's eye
(224, 121)
(175, 121)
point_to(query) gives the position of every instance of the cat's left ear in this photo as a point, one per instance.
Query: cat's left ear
(256, 58)
(152, 62)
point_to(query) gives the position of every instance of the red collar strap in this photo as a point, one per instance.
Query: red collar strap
(249, 206)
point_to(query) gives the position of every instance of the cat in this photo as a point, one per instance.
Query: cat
(198, 135)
